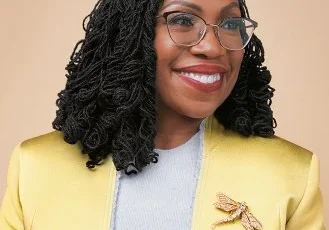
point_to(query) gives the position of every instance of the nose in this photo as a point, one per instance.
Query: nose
(209, 47)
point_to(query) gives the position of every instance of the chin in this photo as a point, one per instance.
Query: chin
(199, 113)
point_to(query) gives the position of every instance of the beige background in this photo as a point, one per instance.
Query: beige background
(37, 38)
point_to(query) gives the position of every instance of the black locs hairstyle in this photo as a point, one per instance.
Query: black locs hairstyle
(108, 104)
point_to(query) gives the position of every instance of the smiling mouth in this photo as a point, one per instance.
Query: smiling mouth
(203, 78)
(201, 81)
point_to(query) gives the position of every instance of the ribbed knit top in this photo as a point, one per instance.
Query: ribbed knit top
(161, 197)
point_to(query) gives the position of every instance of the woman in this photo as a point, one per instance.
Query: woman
(180, 84)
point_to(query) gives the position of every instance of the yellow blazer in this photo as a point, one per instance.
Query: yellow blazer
(49, 187)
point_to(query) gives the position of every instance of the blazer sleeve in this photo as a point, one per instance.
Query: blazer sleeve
(309, 213)
(11, 215)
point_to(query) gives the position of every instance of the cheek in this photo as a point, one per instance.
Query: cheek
(166, 50)
(167, 54)
(162, 43)
(236, 58)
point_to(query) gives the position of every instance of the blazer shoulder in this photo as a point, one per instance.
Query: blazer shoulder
(275, 151)
(279, 159)
(281, 153)
(50, 147)
(54, 138)
(282, 150)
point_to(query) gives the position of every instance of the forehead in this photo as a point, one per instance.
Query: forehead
(201, 3)
(203, 6)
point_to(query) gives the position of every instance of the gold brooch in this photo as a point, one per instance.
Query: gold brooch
(238, 211)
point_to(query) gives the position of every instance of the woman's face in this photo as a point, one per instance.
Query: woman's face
(205, 62)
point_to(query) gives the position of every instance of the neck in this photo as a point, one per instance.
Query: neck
(173, 129)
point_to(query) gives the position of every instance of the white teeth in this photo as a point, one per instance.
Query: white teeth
(203, 78)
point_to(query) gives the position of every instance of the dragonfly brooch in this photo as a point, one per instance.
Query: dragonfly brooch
(238, 211)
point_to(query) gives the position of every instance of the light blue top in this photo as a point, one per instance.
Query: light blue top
(161, 197)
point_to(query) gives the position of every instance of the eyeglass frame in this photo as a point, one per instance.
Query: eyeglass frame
(166, 14)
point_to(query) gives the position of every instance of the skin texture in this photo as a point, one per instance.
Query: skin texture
(180, 106)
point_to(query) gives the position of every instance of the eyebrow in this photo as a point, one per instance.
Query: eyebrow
(184, 3)
(229, 7)
(198, 8)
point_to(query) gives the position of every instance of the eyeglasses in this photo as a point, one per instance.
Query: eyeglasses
(188, 29)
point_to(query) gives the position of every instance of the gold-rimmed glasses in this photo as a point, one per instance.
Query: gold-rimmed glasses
(187, 29)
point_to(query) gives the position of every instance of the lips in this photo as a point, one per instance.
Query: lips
(206, 78)
(203, 69)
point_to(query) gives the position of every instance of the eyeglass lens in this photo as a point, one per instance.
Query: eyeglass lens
(188, 29)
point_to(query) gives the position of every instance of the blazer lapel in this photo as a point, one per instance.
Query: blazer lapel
(222, 171)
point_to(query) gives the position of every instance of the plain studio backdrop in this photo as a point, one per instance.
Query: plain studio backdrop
(37, 38)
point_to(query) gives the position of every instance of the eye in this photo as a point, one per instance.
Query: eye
(181, 20)
(231, 24)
